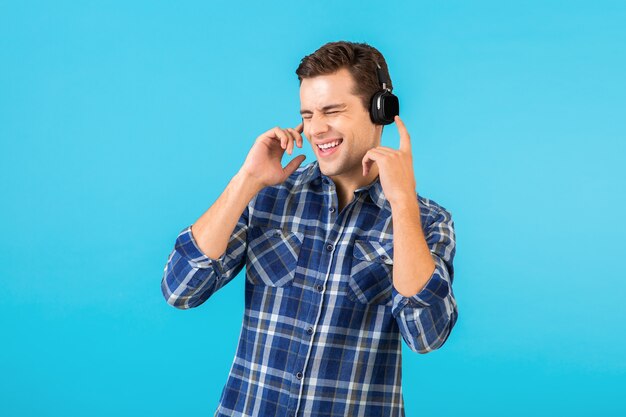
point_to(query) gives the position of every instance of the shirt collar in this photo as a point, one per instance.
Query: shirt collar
(312, 173)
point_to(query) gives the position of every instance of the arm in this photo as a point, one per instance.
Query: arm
(423, 300)
(211, 252)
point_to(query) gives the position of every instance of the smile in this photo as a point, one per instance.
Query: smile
(329, 148)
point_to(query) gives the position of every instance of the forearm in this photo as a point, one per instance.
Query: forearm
(424, 303)
(213, 229)
(413, 264)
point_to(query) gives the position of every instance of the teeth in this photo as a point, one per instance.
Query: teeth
(329, 145)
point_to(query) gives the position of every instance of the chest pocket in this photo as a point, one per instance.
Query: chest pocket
(371, 273)
(272, 256)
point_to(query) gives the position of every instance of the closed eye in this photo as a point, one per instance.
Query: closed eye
(309, 116)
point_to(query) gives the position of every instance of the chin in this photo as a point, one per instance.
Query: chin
(326, 169)
(331, 170)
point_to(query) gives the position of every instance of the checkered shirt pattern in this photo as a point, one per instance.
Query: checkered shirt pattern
(323, 323)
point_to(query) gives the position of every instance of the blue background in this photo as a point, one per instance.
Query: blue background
(120, 124)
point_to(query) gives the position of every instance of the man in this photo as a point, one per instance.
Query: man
(343, 258)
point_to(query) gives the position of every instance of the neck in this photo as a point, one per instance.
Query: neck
(349, 182)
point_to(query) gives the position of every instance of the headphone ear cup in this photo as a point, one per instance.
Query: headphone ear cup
(384, 107)
(374, 108)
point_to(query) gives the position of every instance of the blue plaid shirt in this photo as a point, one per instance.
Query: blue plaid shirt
(323, 323)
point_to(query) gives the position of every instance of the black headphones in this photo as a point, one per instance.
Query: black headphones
(384, 105)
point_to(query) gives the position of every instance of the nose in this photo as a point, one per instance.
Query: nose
(317, 126)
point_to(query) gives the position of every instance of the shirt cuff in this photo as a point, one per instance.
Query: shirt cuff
(187, 246)
(436, 289)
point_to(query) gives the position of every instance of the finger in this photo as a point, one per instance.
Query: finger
(375, 155)
(384, 150)
(297, 136)
(288, 146)
(405, 139)
(368, 160)
(291, 167)
(291, 141)
(300, 127)
(282, 136)
(274, 133)
(367, 166)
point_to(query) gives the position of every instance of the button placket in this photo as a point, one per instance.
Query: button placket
(335, 233)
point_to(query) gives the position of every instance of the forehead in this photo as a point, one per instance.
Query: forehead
(323, 89)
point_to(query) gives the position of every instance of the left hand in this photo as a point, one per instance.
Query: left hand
(395, 167)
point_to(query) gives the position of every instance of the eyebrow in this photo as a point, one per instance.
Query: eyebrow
(325, 108)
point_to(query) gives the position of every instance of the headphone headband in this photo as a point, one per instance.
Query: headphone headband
(381, 78)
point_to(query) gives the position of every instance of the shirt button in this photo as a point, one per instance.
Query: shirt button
(319, 287)
(329, 247)
(384, 257)
(309, 330)
(332, 209)
(299, 375)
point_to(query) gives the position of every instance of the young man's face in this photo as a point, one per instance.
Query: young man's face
(331, 112)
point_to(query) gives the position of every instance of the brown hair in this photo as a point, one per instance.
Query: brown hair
(359, 59)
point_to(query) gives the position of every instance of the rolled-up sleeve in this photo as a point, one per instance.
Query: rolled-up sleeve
(427, 318)
(190, 277)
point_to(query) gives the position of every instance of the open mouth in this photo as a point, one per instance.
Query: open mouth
(330, 147)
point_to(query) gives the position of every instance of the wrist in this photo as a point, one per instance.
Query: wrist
(246, 184)
(405, 202)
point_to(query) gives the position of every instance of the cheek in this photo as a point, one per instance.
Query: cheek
(335, 124)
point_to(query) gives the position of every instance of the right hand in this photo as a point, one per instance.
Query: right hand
(263, 163)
